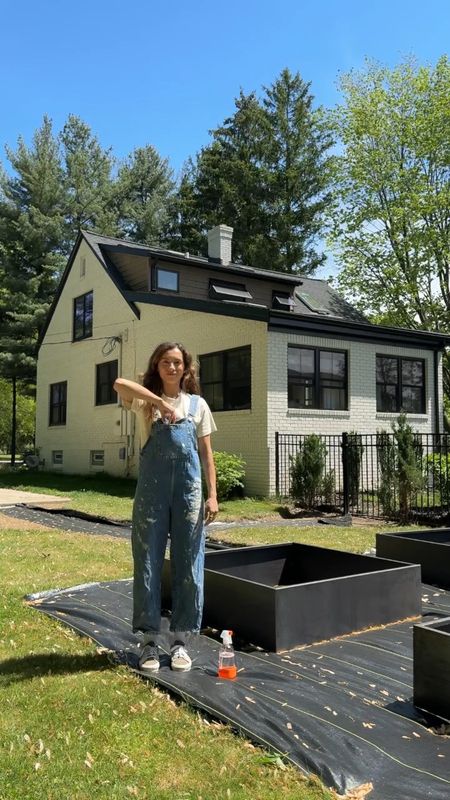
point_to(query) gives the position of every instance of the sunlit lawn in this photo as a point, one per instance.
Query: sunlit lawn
(113, 497)
(74, 726)
(355, 539)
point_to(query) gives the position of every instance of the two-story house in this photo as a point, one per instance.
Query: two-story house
(277, 352)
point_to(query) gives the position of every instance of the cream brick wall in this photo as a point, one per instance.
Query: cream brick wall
(109, 427)
(362, 415)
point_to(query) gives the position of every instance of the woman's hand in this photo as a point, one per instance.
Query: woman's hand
(209, 471)
(211, 510)
(167, 412)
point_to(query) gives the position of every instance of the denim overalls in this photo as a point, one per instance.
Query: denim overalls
(169, 498)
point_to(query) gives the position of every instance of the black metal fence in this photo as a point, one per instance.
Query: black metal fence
(370, 475)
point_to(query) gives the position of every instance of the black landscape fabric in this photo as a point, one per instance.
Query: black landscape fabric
(342, 709)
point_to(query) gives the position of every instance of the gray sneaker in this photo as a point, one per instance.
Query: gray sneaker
(179, 659)
(149, 659)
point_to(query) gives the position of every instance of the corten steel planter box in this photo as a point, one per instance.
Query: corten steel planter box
(282, 596)
(430, 549)
(432, 667)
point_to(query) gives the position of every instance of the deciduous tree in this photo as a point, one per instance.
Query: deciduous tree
(392, 204)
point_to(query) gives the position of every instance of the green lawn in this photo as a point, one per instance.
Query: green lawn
(94, 494)
(355, 539)
(113, 497)
(74, 726)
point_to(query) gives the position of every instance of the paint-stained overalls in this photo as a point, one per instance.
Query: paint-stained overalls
(169, 498)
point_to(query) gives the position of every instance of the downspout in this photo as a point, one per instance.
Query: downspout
(436, 394)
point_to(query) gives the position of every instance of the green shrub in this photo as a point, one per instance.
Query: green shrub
(409, 465)
(386, 456)
(329, 487)
(400, 462)
(230, 472)
(439, 466)
(307, 468)
(354, 457)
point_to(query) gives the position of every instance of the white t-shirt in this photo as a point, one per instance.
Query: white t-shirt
(203, 419)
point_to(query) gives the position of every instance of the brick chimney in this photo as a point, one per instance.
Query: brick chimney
(219, 244)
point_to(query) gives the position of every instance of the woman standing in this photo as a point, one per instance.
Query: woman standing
(176, 424)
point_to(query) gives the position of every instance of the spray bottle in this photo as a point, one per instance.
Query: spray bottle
(227, 661)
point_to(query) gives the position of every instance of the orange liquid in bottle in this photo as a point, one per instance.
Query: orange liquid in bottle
(228, 672)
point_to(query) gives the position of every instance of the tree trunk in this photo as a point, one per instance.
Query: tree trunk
(14, 421)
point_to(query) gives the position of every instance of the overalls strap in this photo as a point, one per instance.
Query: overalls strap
(193, 405)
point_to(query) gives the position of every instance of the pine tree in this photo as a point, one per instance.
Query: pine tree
(142, 192)
(265, 174)
(31, 230)
(87, 181)
(298, 165)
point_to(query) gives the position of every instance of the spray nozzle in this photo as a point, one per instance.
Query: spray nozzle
(226, 637)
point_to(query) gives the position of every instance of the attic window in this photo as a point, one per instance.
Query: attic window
(223, 290)
(167, 279)
(283, 301)
(310, 302)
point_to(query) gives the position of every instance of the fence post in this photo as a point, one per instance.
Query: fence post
(345, 480)
(277, 465)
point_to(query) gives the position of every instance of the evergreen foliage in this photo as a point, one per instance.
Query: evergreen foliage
(386, 470)
(400, 465)
(354, 457)
(438, 464)
(265, 174)
(408, 475)
(307, 471)
(25, 418)
(87, 181)
(142, 194)
(31, 232)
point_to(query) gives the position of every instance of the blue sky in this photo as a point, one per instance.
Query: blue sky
(166, 73)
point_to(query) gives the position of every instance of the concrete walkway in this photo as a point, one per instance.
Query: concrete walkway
(13, 497)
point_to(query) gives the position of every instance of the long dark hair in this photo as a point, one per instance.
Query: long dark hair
(152, 381)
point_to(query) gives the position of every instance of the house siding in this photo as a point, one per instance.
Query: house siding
(110, 427)
(194, 281)
(241, 432)
(250, 433)
(88, 427)
(361, 415)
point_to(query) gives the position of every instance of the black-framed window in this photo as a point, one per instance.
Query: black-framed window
(105, 375)
(58, 403)
(226, 290)
(226, 379)
(400, 384)
(166, 279)
(82, 316)
(282, 300)
(317, 378)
